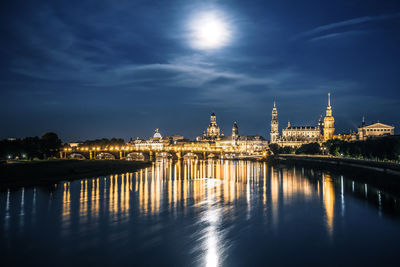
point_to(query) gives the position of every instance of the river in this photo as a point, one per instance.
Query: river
(202, 213)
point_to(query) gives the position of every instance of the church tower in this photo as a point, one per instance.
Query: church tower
(329, 121)
(321, 127)
(235, 131)
(274, 125)
(213, 131)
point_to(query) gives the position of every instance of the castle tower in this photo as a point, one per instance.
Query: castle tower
(329, 121)
(274, 125)
(235, 131)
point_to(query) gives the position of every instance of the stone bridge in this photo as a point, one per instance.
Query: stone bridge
(146, 154)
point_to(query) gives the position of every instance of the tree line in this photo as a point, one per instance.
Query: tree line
(383, 148)
(48, 145)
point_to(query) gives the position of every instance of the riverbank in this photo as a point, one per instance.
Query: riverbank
(384, 175)
(51, 171)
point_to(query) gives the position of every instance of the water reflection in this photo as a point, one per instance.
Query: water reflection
(329, 201)
(215, 195)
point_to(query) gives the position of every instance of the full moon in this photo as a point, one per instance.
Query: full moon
(209, 31)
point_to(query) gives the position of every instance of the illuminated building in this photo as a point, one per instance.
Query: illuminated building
(242, 144)
(295, 136)
(157, 142)
(213, 131)
(274, 125)
(374, 130)
(329, 121)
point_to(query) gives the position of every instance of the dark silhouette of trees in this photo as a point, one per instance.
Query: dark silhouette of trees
(310, 149)
(274, 148)
(31, 147)
(281, 150)
(383, 148)
(50, 144)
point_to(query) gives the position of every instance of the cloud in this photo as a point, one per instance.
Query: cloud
(76, 60)
(340, 24)
(336, 35)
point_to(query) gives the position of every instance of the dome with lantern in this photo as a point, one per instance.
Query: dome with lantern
(157, 134)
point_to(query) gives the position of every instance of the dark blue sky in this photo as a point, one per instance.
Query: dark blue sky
(92, 69)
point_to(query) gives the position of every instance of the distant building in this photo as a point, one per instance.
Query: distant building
(214, 135)
(157, 134)
(301, 133)
(374, 130)
(329, 122)
(274, 125)
(176, 138)
(213, 131)
(74, 144)
(156, 142)
(296, 136)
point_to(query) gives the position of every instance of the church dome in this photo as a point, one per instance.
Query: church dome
(157, 134)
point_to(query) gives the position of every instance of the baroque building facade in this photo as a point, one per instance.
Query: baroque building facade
(374, 130)
(245, 144)
(295, 136)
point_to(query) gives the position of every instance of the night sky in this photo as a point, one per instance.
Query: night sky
(119, 68)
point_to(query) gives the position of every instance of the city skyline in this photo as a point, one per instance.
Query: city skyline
(100, 69)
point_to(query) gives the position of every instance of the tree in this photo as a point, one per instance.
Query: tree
(50, 144)
(274, 148)
(311, 149)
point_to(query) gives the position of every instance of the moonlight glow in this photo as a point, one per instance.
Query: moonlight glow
(209, 31)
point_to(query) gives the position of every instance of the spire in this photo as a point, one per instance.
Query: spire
(274, 104)
(329, 99)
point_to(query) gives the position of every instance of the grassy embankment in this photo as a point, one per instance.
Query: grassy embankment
(29, 173)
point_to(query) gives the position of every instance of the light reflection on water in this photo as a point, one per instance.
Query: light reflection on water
(191, 213)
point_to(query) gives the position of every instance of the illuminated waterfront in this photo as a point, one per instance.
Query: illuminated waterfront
(204, 213)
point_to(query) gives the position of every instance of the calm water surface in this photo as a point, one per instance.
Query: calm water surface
(202, 213)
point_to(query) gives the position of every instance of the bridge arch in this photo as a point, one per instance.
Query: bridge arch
(211, 156)
(191, 155)
(105, 155)
(230, 155)
(76, 155)
(137, 156)
(164, 155)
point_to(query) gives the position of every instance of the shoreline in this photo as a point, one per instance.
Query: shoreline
(379, 174)
(53, 171)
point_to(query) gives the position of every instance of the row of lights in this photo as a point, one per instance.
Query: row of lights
(117, 148)
(99, 148)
